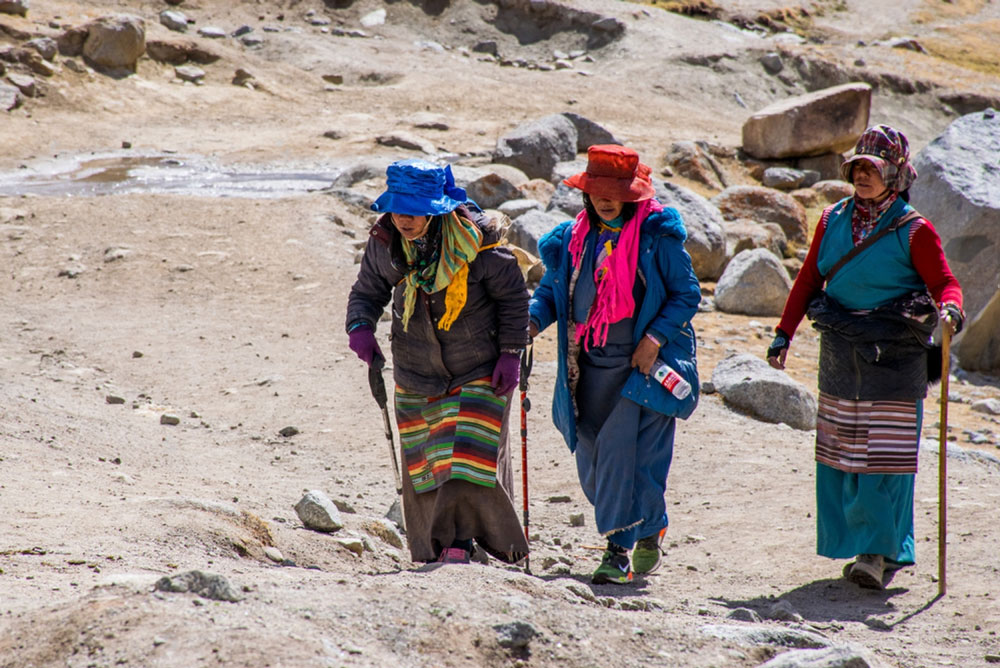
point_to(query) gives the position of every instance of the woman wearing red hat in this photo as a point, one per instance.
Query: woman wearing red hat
(887, 282)
(620, 287)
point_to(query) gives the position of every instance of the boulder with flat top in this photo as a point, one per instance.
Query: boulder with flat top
(824, 121)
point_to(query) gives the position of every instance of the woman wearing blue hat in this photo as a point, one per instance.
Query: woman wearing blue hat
(459, 325)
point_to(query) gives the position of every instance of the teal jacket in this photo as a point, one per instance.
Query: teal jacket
(671, 300)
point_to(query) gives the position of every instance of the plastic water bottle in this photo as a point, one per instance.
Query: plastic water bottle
(670, 379)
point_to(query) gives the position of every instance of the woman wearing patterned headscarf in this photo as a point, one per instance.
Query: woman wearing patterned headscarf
(459, 325)
(620, 287)
(887, 282)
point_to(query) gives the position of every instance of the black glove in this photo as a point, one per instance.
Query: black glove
(956, 315)
(781, 342)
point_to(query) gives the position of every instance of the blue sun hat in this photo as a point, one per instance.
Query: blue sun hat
(419, 188)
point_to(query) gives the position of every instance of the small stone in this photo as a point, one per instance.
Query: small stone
(384, 530)
(992, 658)
(559, 499)
(317, 512)
(114, 399)
(288, 432)
(212, 32)
(355, 545)
(170, 419)
(783, 611)
(515, 635)
(576, 519)
(989, 406)
(136, 354)
(744, 615)
(189, 73)
(335, 79)
(274, 554)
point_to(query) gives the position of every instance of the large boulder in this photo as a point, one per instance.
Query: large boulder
(754, 283)
(980, 346)
(706, 242)
(765, 205)
(535, 147)
(589, 133)
(115, 43)
(529, 227)
(825, 121)
(750, 384)
(565, 200)
(958, 190)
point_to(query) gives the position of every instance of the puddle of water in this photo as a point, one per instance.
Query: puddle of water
(164, 174)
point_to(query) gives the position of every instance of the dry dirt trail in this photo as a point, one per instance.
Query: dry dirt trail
(227, 312)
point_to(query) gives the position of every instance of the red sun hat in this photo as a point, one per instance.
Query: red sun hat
(614, 172)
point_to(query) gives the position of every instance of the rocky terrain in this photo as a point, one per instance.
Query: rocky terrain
(180, 223)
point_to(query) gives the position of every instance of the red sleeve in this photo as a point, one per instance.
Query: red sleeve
(807, 284)
(929, 261)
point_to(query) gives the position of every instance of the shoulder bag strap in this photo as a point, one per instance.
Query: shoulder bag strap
(851, 254)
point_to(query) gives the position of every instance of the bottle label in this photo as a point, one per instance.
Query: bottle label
(671, 380)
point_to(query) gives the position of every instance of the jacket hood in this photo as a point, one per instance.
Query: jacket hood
(666, 223)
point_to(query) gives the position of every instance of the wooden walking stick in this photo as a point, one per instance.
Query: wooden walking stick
(943, 458)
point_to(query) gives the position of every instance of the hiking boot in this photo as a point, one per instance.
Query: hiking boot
(454, 555)
(867, 571)
(646, 555)
(614, 569)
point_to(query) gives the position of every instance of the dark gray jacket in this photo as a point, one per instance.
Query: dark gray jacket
(426, 359)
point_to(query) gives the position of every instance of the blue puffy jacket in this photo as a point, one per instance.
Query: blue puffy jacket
(671, 300)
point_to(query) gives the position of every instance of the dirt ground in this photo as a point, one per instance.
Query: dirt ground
(227, 312)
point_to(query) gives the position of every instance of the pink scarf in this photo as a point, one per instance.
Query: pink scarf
(615, 276)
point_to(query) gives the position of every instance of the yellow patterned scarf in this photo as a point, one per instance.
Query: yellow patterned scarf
(460, 239)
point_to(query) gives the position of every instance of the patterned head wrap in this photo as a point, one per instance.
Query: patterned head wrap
(888, 150)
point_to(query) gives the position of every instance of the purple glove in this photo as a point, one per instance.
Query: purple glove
(506, 373)
(363, 343)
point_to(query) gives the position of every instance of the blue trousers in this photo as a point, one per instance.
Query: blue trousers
(623, 461)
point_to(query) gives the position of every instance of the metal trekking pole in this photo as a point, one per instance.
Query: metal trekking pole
(526, 362)
(377, 385)
(943, 459)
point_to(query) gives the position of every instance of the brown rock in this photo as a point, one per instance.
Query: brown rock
(179, 51)
(825, 121)
(979, 349)
(687, 159)
(833, 191)
(807, 197)
(71, 42)
(764, 205)
(115, 43)
(537, 189)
